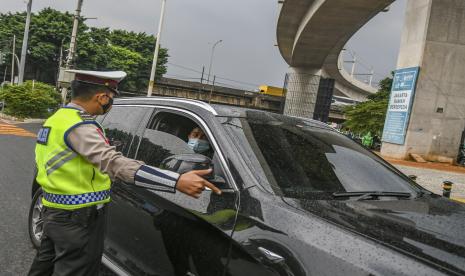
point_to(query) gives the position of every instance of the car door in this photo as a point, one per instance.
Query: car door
(122, 129)
(161, 233)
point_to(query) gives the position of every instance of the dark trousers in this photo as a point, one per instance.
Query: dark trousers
(72, 243)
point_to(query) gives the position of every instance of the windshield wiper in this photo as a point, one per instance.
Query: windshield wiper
(373, 194)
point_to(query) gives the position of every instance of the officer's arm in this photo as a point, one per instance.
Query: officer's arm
(88, 141)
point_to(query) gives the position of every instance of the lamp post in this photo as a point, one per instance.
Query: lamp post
(25, 40)
(211, 58)
(157, 49)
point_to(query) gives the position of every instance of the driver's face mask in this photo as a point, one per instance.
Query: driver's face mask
(198, 145)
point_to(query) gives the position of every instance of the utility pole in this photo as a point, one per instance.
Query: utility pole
(157, 49)
(72, 44)
(13, 60)
(25, 40)
(72, 47)
(211, 58)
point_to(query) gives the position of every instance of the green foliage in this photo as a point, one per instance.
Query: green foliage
(369, 116)
(30, 101)
(97, 48)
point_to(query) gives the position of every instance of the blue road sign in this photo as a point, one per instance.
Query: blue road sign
(400, 105)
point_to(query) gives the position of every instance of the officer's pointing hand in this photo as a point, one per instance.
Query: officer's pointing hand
(192, 183)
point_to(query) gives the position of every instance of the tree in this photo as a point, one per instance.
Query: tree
(36, 100)
(97, 48)
(103, 49)
(49, 28)
(370, 115)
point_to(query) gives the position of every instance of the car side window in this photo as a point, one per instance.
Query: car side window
(120, 125)
(168, 134)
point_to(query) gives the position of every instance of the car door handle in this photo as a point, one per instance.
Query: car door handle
(229, 190)
(271, 256)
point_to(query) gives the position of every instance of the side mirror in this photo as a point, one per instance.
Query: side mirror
(183, 163)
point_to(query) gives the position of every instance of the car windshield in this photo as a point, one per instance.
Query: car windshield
(301, 158)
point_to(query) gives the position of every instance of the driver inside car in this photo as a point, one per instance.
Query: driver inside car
(198, 142)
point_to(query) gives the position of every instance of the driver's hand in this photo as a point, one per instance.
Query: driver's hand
(193, 184)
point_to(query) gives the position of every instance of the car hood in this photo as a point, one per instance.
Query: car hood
(430, 228)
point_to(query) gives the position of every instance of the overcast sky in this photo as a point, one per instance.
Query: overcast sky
(247, 28)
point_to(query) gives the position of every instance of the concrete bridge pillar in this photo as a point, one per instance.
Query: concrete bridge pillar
(301, 92)
(433, 38)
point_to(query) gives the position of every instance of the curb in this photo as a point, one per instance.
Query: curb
(34, 121)
(17, 120)
(461, 200)
(429, 166)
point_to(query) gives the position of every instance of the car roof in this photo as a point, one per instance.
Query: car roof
(218, 110)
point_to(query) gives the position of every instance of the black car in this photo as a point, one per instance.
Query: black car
(299, 198)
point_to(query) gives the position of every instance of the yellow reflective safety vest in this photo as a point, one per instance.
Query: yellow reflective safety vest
(68, 180)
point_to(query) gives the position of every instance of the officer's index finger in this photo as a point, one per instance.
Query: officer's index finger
(202, 172)
(213, 187)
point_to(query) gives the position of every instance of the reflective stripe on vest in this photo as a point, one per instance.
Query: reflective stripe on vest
(63, 157)
(77, 199)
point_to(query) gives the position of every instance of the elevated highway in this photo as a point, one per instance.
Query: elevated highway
(311, 35)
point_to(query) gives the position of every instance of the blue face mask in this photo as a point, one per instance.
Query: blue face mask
(198, 145)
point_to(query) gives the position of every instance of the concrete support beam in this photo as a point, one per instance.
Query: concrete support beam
(302, 89)
(350, 92)
(434, 39)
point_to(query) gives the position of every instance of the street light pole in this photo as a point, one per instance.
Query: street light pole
(211, 58)
(157, 49)
(25, 40)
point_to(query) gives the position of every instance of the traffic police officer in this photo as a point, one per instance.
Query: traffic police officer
(75, 167)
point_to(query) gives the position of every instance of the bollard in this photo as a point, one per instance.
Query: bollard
(446, 188)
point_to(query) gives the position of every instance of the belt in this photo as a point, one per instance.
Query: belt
(84, 216)
(96, 207)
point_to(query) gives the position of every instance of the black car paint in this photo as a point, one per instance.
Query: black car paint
(424, 228)
(180, 235)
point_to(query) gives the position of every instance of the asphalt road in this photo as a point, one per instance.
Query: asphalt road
(16, 172)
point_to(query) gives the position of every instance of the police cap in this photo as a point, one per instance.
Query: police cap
(109, 79)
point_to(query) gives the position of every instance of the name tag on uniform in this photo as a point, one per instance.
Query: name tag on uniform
(42, 136)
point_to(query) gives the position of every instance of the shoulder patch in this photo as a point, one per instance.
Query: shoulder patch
(42, 136)
(86, 117)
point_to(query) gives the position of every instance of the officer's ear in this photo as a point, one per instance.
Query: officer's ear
(99, 96)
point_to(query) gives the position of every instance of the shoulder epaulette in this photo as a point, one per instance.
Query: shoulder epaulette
(86, 116)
